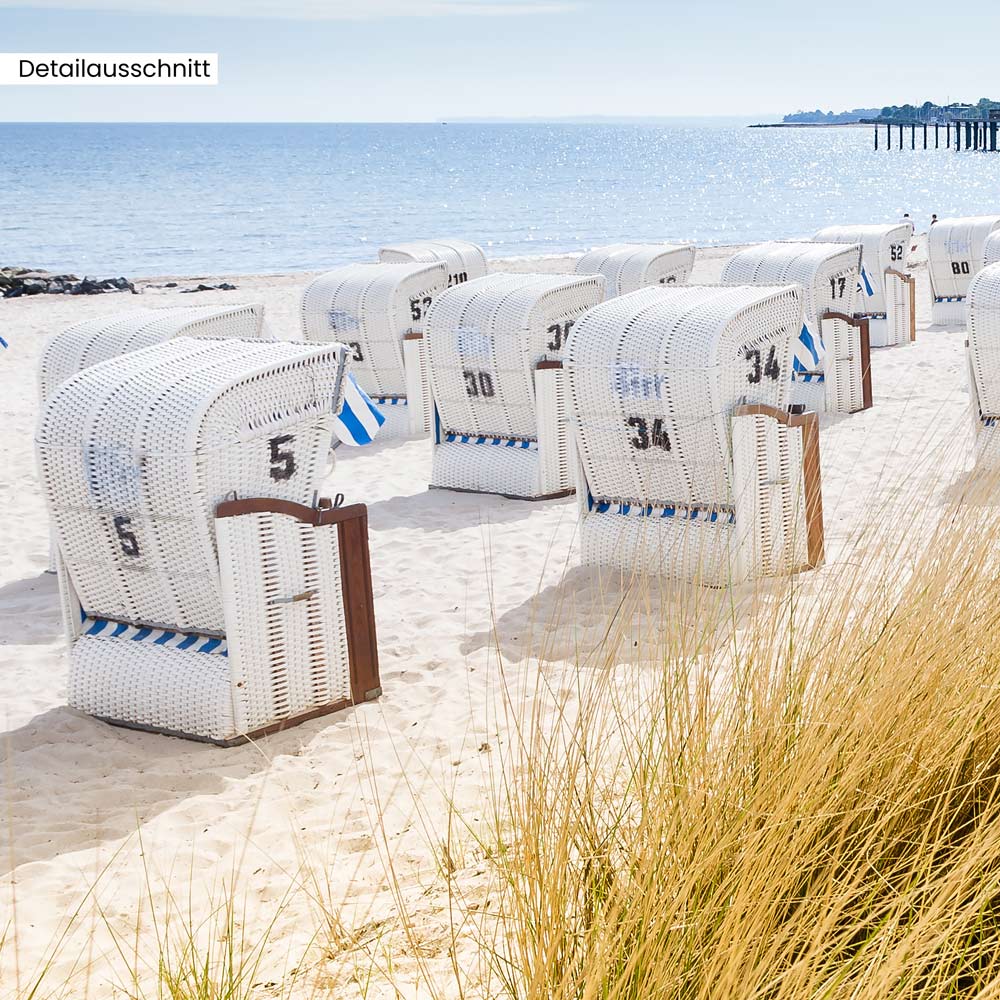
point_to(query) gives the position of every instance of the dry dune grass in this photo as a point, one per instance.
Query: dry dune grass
(786, 792)
(804, 803)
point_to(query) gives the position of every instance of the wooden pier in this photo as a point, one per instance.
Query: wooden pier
(978, 134)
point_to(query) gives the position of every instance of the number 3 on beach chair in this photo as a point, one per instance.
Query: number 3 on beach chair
(378, 310)
(204, 592)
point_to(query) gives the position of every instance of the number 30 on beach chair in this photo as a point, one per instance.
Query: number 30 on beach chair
(495, 348)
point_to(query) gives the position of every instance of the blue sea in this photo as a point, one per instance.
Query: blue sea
(142, 200)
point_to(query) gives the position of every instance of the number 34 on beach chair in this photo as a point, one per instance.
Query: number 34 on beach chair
(206, 592)
(690, 464)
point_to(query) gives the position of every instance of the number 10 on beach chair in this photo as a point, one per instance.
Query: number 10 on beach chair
(690, 464)
(495, 350)
(207, 591)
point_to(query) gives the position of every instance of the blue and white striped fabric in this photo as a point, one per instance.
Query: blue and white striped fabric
(865, 286)
(497, 442)
(807, 356)
(104, 629)
(711, 515)
(359, 418)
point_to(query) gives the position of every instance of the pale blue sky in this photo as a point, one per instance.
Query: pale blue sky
(427, 60)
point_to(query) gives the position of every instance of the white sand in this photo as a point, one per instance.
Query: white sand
(149, 818)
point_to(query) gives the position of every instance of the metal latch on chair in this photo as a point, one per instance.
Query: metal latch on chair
(304, 596)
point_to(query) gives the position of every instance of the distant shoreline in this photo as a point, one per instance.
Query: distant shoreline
(812, 125)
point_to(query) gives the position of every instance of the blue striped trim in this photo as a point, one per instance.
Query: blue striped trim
(391, 400)
(949, 298)
(3, 343)
(684, 512)
(496, 441)
(157, 636)
(872, 315)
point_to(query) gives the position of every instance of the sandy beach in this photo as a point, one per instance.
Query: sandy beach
(339, 837)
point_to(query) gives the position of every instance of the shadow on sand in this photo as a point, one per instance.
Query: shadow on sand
(29, 611)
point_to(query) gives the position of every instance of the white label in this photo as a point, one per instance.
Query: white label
(107, 69)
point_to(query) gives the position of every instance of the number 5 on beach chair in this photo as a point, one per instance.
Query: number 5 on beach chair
(690, 465)
(887, 291)
(378, 310)
(95, 340)
(205, 592)
(495, 347)
(831, 367)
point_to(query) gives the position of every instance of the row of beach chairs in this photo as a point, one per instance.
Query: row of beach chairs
(209, 591)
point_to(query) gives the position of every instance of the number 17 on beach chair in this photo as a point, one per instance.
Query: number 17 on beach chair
(887, 291)
(207, 591)
(831, 366)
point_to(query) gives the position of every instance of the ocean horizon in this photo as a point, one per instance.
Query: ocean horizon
(190, 199)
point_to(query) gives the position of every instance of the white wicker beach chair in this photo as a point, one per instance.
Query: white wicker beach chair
(991, 249)
(831, 359)
(95, 340)
(629, 267)
(690, 465)
(184, 617)
(495, 348)
(983, 303)
(956, 252)
(465, 261)
(887, 291)
(378, 310)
